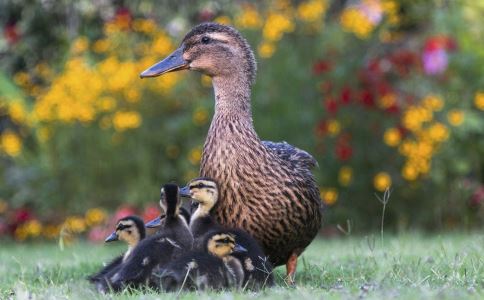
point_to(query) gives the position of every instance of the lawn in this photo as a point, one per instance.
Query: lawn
(410, 266)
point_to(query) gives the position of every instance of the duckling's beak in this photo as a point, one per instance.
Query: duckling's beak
(154, 223)
(239, 249)
(112, 237)
(174, 62)
(185, 192)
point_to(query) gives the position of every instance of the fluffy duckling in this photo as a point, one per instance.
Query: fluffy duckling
(130, 229)
(155, 251)
(257, 269)
(184, 212)
(214, 267)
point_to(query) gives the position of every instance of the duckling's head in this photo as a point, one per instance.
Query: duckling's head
(213, 49)
(129, 229)
(202, 190)
(222, 244)
(170, 199)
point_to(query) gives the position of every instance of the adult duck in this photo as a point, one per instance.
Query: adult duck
(266, 188)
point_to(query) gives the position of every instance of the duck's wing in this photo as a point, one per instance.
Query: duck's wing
(106, 269)
(295, 156)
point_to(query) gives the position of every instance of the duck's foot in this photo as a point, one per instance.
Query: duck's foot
(291, 266)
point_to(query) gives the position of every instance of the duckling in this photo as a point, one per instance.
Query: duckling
(266, 188)
(129, 229)
(214, 267)
(257, 269)
(155, 251)
(158, 222)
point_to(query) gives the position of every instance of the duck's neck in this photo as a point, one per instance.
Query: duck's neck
(232, 97)
(201, 212)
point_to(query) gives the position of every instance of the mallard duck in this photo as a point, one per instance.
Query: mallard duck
(266, 188)
(257, 270)
(214, 267)
(172, 241)
(129, 229)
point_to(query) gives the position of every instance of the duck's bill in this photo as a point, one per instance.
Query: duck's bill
(239, 249)
(154, 223)
(174, 62)
(112, 237)
(185, 192)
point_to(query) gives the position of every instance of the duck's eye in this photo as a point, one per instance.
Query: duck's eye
(128, 231)
(205, 40)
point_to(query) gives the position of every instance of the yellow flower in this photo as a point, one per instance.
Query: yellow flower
(382, 181)
(333, 127)
(101, 46)
(479, 100)
(51, 231)
(345, 176)
(438, 132)
(33, 228)
(311, 10)
(249, 18)
(106, 103)
(266, 49)
(80, 45)
(455, 117)
(329, 195)
(124, 120)
(352, 20)
(21, 78)
(10, 143)
(144, 25)
(433, 102)
(17, 112)
(387, 100)
(95, 216)
(200, 116)
(392, 137)
(132, 95)
(276, 25)
(75, 224)
(224, 20)
(195, 155)
(409, 172)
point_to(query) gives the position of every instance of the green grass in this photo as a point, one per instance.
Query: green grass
(409, 266)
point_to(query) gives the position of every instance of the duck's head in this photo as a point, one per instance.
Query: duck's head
(129, 229)
(213, 49)
(222, 244)
(203, 191)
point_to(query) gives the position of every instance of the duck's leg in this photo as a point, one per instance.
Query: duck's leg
(291, 266)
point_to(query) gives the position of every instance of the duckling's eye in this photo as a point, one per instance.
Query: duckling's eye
(128, 231)
(205, 40)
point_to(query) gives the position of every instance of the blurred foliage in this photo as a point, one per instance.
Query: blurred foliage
(383, 93)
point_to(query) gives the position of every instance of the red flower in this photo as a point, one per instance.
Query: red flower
(331, 106)
(124, 211)
(123, 18)
(343, 148)
(367, 98)
(322, 66)
(151, 212)
(345, 95)
(11, 34)
(322, 128)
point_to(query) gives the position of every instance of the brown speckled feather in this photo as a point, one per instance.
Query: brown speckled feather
(275, 200)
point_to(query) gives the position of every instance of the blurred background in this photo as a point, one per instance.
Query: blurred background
(382, 92)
